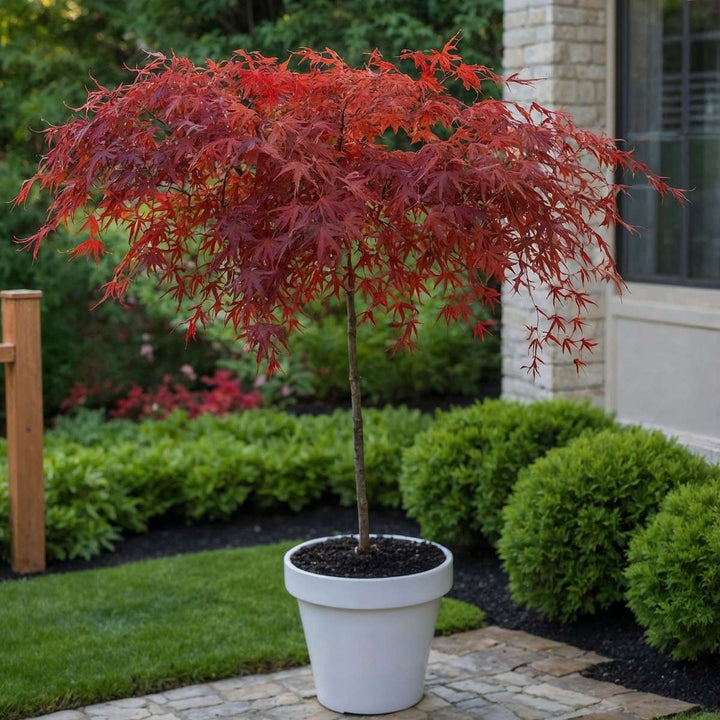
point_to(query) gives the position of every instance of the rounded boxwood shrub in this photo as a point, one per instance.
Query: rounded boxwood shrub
(673, 572)
(542, 426)
(568, 523)
(439, 472)
(457, 477)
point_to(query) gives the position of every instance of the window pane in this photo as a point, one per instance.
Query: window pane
(671, 116)
(656, 248)
(704, 208)
(645, 68)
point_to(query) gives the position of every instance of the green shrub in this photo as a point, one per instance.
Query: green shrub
(207, 468)
(542, 426)
(459, 474)
(85, 510)
(673, 572)
(439, 472)
(568, 523)
(450, 362)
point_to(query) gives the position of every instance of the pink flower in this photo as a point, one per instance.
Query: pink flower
(146, 350)
(189, 372)
(259, 381)
(285, 390)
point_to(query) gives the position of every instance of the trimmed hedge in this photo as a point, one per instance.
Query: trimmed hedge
(571, 517)
(673, 572)
(457, 476)
(104, 479)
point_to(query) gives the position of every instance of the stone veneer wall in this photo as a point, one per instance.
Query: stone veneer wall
(563, 43)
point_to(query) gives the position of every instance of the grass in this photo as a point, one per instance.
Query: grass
(85, 637)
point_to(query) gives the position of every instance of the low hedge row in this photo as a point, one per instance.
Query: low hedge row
(104, 479)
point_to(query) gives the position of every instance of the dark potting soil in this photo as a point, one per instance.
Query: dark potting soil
(479, 579)
(388, 557)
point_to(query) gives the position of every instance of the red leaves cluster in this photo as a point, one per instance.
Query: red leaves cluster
(223, 395)
(252, 189)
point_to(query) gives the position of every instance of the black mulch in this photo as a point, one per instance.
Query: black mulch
(478, 580)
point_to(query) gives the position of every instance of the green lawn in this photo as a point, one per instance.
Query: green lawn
(84, 637)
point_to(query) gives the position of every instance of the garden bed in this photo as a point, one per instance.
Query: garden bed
(479, 580)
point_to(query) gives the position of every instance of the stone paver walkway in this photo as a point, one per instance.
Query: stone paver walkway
(493, 674)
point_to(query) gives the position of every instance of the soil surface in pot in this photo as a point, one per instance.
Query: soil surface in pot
(479, 579)
(388, 557)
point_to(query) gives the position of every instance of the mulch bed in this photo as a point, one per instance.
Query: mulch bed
(479, 579)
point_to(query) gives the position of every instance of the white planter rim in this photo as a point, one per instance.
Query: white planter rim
(368, 593)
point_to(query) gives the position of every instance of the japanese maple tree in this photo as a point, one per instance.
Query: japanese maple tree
(250, 189)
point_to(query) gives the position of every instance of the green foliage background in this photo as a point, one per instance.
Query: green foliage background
(51, 51)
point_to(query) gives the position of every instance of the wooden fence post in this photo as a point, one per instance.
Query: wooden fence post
(23, 389)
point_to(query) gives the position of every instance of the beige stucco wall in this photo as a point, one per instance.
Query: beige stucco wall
(658, 360)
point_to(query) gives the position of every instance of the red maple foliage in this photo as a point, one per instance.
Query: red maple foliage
(252, 189)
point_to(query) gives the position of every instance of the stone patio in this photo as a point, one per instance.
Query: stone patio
(493, 674)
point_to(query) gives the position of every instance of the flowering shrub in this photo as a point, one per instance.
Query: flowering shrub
(223, 394)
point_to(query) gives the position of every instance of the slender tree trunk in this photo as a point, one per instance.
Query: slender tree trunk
(361, 492)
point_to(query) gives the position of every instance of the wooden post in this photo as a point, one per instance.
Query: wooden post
(23, 388)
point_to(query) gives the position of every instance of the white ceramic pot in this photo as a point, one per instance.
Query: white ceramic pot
(369, 638)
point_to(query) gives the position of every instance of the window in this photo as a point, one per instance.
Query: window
(669, 112)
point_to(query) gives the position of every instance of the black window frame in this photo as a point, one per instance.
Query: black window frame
(622, 91)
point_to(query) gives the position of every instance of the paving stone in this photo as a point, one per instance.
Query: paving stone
(453, 713)
(293, 712)
(493, 674)
(216, 711)
(188, 692)
(513, 678)
(568, 651)
(111, 711)
(474, 704)
(557, 694)
(431, 702)
(464, 642)
(256, 691)
(497, 712)
(587, 686)
(594, 658)
(528, 707)
(647, 705)
(479, 687)
(293, 672)
(274, 701)
(609, 715)
(303, 686)
(562, 666)
(518, 638)
(156, 710)
(452, 696)
(196, 701)
(130, 703)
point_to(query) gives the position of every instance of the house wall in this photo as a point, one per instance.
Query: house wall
(563, 44)
(658, 359)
